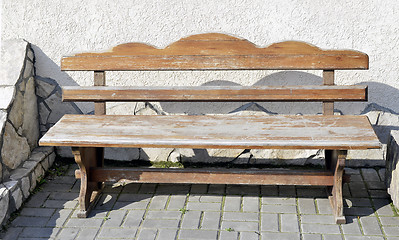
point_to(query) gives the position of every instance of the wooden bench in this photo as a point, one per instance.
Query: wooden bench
(89, 134)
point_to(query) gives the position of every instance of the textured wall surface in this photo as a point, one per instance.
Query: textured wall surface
(57, 28)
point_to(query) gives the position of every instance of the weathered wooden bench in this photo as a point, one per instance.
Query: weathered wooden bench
(89, 134)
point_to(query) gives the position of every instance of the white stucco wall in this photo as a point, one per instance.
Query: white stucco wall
(59, 27)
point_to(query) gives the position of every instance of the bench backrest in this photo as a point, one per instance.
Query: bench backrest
(216, 51)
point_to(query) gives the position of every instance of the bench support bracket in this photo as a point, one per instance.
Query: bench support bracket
(335, 162)
(87, 158)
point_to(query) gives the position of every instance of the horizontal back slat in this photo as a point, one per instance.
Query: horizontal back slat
(214, 51)
(216, 93)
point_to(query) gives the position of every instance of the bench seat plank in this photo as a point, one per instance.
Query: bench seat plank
(216, 93)
(216, 131)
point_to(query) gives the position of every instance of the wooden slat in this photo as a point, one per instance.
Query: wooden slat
(216, 94)
(213, 176)
(227, 131)
(214, 51)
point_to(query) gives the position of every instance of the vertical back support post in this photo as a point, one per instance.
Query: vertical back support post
(99, 80)
(328, 79)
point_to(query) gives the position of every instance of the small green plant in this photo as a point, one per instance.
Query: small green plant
(229, 229)
(167, 164)
(106, 218)
(183, 210)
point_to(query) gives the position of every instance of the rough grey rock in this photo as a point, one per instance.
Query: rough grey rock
(25, 185)
(17, 197)
(30, 125)
(15, 149)
(29, 69)
(155, 154)
(251, 109)
(16, 114)
(392, 168)
(4, 202)
(51, 158)
(19, 173)
(286, 156)
(209, 155)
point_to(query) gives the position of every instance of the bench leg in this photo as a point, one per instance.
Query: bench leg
(335, 161)
(86, 158)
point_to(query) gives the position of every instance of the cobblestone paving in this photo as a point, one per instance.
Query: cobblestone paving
(177, 211)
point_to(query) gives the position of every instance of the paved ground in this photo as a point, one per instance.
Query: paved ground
(163, 211)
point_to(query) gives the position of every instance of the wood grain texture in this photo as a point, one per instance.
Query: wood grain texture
(241, 132)
(216, 93)
(215, 51)
(328, 80)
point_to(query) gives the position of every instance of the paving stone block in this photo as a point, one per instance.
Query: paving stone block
(22, 221)
(306, 205)
(357, 202)
(160, 223)
(278, 209)
(87, 234)
(269, 222)
(65, 196)
(312, 236)
(391, 230)
(351, 227)
(240, 216)
(133, 219)
(356, 178)
(131, 205)
(356, 237)
(289, 223)
(225, 235)
(323, 206)
(114, 219)
(249, 235)
(240, 226)
(332, 237)
(279, 200)
(279, 236)
(322, 219)
(381, 174)
(117, 232)
(163, 214)
(12, 233)
(159, 202)
(177, 202)
(370, 174)
(232, 203)
(198, 234)
(68, 233)
(210, 220)
(358, 211)
(389, 221)
(38, 212)
(370, 226)
(84, 222)
(106, 201)
(147, 234)
(38, 199)
(129, 197)
(204, 206)
(59, 218)
(167, 234)
(191, 220)
(376, 185)
(39, 232)
(383, 207)
(250, 204)
(60, 204)
(205, 198)
(320, 228)
(95, 213)
(379, 194)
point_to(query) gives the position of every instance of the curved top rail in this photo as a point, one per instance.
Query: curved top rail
(216, 51)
